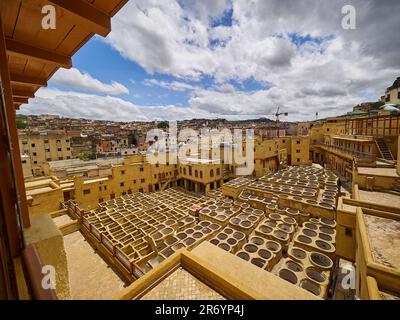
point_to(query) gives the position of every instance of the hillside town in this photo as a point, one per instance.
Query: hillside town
(199, 150)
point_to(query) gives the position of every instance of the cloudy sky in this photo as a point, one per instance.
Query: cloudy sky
(237, 59)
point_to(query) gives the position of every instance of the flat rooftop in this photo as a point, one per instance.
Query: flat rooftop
(96, 180)
(38, 190)
(203, 161)
(351, 138)
(35, 183)
(385, 172)
(71, 163)
(382, 198)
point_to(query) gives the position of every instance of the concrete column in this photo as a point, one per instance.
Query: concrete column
(207, 187)
(196, 187)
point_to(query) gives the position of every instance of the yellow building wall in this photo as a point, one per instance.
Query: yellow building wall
(300, 150)
(49, 243)
(393, 96)
(45, 202)
(381, 182)
(26, 166)
(43, 148)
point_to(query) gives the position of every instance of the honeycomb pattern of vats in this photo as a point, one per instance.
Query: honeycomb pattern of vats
(216, 194)
(126, 224)
(220, 212)
(145, 229)
(263, 188)
(277, 227)
(187, 222)
(312, 206)
(180, 200)
(324, 222)
(306, 189)
(329, 194)
(303, 176)
(255, 201)
(299, 215)
(315, 236)
(308, 269)
(204, 230)
(239, 182)
(229, 239)
(261, 252)
(233, 188)
(123, 227)
(246, 220)
(188, 238)
(170, 227)
(136, 200)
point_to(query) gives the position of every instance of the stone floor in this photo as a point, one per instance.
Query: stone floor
(382, 198)
(384, 239)
(90, 277)
(59, 221)
(181, 285)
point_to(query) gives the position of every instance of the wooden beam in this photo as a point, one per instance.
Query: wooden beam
(99, 22)
(27, 51)
(23, 93)
(118, 7)
(27, 80)
(18, 100)
(12, 187)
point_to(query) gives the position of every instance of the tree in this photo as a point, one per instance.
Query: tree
(163, 125)
(87, 155)
(21, 124)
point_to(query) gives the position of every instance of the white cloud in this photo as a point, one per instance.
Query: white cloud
(326, 73)
(225, 87)
(173, 85)
(91, 106)
(76, 79)
(82, 105)
(329, 73)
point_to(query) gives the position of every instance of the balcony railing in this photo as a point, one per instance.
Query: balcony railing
(361, 156)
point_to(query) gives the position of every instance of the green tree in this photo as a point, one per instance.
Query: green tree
(87, 155)
(21, 124)
(163, 125)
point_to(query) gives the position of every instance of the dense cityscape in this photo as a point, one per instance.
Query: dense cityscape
(228, 164)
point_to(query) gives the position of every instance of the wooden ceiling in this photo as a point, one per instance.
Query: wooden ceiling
(35, 54)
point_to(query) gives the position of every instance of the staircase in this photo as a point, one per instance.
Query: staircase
(383, 149)
(165, 183)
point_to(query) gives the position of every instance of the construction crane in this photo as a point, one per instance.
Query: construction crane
(277, 114)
